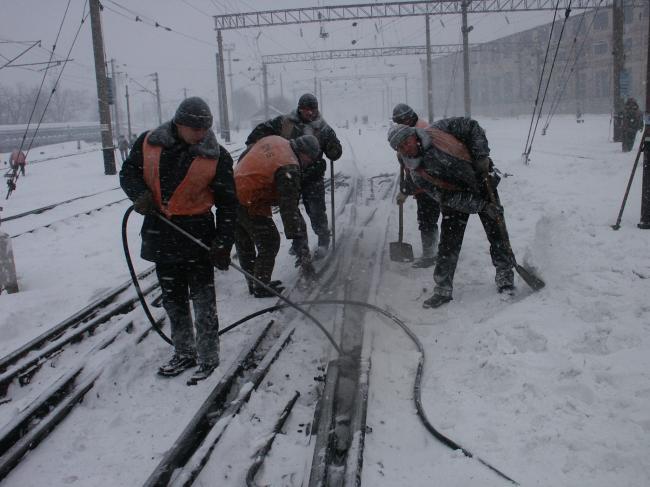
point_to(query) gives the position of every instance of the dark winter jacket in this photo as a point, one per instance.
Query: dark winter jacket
(160, 242)
(464, 190)
(632, 117)
(291, 126)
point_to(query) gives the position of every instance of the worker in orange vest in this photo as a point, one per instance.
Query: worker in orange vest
(18, 160)
(269, 174)
(180, 170)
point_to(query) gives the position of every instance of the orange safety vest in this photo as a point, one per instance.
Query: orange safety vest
(451, 145)
(420, 124)
(255, 174)
(193, 196)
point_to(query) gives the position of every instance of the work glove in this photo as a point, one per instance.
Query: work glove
(220, 256)
(144, 204)
(303, 257)
(483, 165)
(495, 212)
(400, 198)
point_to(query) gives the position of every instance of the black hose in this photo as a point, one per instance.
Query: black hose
(417, 397)
(134, 277)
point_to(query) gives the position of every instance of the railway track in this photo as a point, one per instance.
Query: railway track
(40, 411)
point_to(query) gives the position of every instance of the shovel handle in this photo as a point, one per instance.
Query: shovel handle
(400, 235)
(500, 221)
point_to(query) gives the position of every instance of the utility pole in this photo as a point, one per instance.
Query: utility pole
(184, 93)
(229, 48)
(221, 79)
(429, 73)
(423, 69)
(116, 106)
(281, 87)
(320, 96)
(265, 88)
(406, 89)
(645, 189)
(102, 89)
(465, 31)
(128, 113)
(155, 79)
(617, 65)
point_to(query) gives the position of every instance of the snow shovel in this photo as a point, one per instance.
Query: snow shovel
(526, 274)
(332, 204)
(401, 251)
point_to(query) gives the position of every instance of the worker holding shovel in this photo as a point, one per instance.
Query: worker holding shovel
(450, 161)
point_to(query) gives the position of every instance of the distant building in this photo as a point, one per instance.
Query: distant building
(505, 72)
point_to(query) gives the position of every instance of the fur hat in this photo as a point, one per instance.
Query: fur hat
(398, 133)
(193, 112)
(307, 101)
(307, 144)
(403, 113)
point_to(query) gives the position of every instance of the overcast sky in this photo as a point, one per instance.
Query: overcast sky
(185, 58)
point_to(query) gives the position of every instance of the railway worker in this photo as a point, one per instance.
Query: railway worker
(428, 210)
(631, 123)
(270, 174)
(123, 146)
(306, 120)
(180, 170)
(450, 162)
(18, 161)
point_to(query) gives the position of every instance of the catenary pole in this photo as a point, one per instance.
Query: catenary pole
(265, 84)
(221, 75)
(155, 79)
(116, 106)
(429, 73)
(108, 149)
(618, 61)
(645, 190)
(128, 113)
(465, 31)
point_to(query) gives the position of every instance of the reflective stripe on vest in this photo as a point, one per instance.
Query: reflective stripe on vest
(193, 195)
(255, 173)
(449, 144)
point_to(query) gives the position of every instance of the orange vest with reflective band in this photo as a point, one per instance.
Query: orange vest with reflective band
(421, 124)
(193, 195)
(449, 144)
(255, 174)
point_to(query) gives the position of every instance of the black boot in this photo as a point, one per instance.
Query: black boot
(429, 250)
(203, 372)
(436, 301)
(260, 292)
(177, 365)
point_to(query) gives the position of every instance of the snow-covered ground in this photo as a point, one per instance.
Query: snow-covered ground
(553, 387)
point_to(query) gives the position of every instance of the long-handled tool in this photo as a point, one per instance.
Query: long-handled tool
(527, 275)
(401, 251)
(258, 282)
(617, 225)
(332, 204)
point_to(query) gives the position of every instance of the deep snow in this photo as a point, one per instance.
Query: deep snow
(551, 387)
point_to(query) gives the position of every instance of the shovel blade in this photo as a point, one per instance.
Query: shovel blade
(401, 252)
(531, 279)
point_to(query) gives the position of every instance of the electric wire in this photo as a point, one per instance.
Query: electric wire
(578, 55)
(541, 80)
(11, 183)
(567, 12)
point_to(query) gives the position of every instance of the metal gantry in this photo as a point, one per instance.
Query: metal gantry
(336, 13)
(394, 9)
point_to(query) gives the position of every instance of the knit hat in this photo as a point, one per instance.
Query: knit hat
(403, 113)
(307, 101)
(398, 133)
(307, 144)
(193, 112)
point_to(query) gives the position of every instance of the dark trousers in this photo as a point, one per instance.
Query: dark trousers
(428, 212)
(628, 137)
(179, 283)
(451, 239)
(313, 197)
(257, 242)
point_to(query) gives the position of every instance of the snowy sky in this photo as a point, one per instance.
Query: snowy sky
(186, 58)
